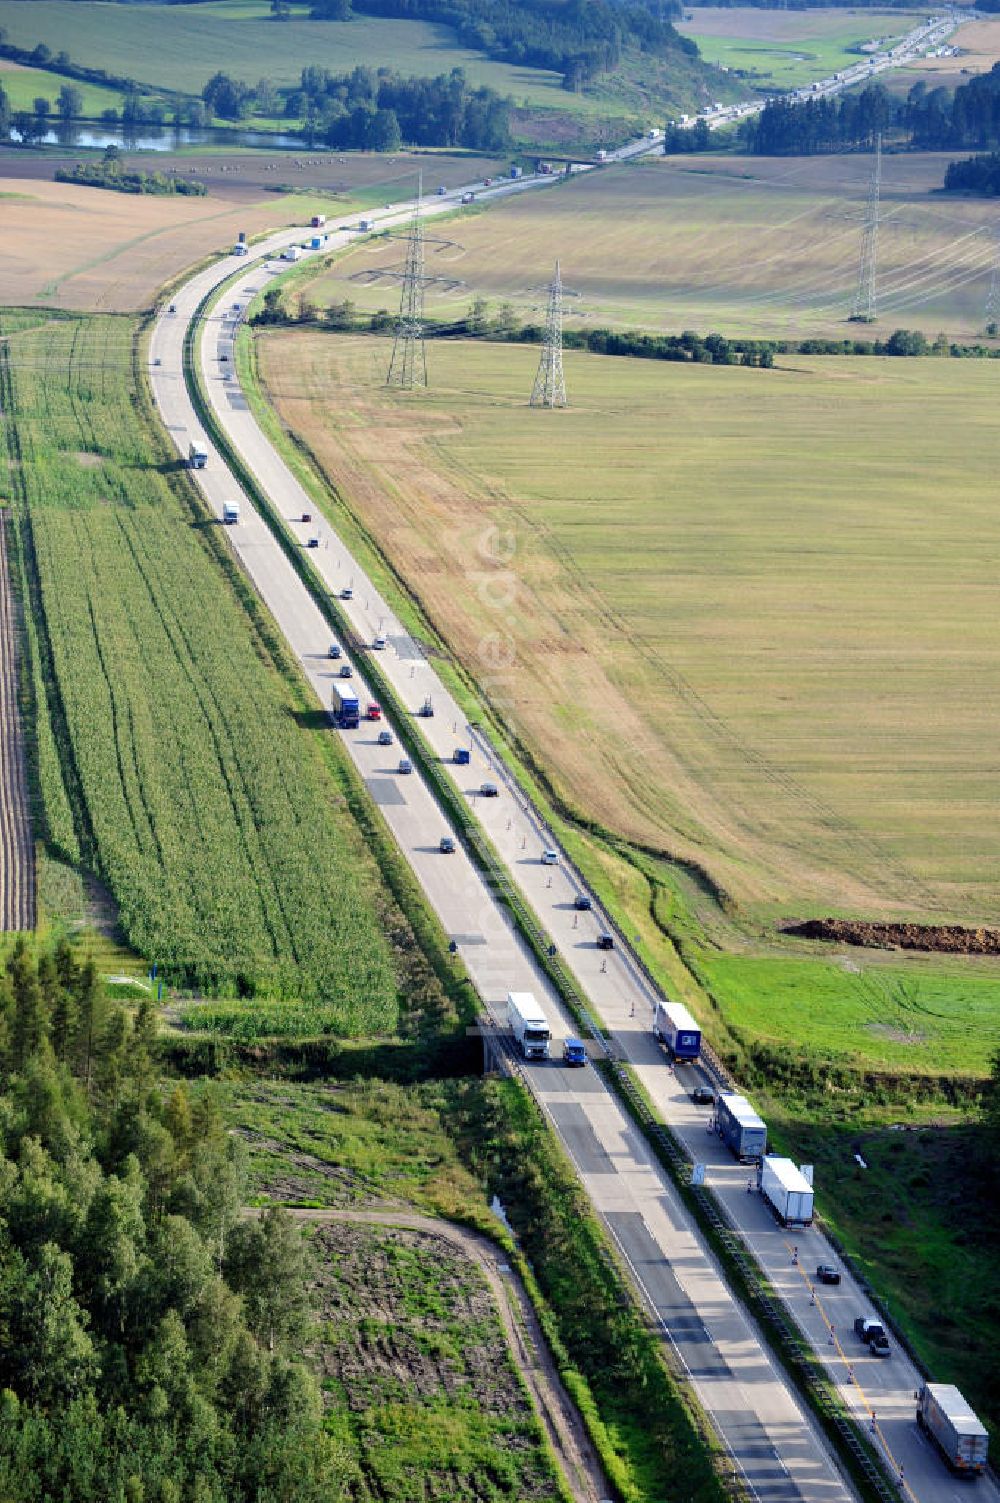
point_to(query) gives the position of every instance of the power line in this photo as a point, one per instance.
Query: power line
(549, 389)
(865, 309)
(408, 366)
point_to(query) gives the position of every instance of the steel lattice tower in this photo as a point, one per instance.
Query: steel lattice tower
(865, 305)
(993, 296)
(549, 389)
(408, 366)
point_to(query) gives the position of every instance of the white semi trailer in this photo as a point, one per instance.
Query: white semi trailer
(528, 1024)
(958, 1434)
(786, 1190)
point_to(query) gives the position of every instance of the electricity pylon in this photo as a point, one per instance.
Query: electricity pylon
(993, 296)
(408, 366)
(865, 303)
(549, 389)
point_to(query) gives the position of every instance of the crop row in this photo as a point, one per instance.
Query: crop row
(209, 816)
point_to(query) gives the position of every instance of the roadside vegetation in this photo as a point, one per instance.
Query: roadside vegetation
(448, 1147)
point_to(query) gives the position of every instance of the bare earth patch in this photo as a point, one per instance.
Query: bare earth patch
(896, 1035)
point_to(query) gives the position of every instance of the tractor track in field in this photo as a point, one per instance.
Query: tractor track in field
(17, 858)
(559, 1416)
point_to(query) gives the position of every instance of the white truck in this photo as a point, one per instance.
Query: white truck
(230, 512)
(197, 454)
(291, 253)
(528, 1024)
(960, 1437)
(786, 1190)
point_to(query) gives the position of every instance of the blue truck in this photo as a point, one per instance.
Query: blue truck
(344, 707)
(739, 1127)
(675, 1027)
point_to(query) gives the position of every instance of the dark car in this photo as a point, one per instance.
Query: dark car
(489, 790)
(703, 1095)
(346, 671)
(574, 1052)
(385, 738)
(827, 1274)
(446, 845)
(582, 902)
(605, 942)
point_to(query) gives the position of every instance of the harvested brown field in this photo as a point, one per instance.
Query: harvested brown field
(17, 859)
(64, 246)
(776, 658)
(86, 248)
(757, 246)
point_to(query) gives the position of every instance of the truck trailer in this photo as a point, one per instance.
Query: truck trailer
(318, 221)
(960, 1437)
(344, 706)
(528, 1024)
(197, 454)
(786, 1190)
(675, 1027)
(739, 1127)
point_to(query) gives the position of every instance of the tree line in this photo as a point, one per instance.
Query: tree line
(975, 174)
(374, 110)
(580, 40)
(110, 172)
(503, 324)
(150, 1333)
(928, 118)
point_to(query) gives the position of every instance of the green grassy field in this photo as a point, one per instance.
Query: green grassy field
(793, 637)
(763, 247)
(24, 85)
(919, 1017)
(180, 47)
(169, 758)
(785, 49)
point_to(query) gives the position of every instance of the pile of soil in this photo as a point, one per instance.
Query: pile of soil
(950, 939)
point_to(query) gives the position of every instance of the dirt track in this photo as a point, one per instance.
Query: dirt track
(17, 860)
(560, 1419)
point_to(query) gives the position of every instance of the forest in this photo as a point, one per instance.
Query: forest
(927, 119)
(150, 1335)
(580, 40)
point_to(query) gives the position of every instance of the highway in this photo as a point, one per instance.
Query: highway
(925, 38)
(773, 1443)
